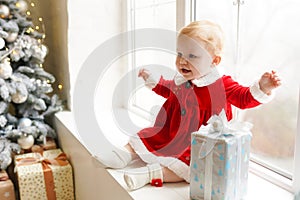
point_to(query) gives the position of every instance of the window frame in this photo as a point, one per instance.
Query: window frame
(184, 15)
(296, 175)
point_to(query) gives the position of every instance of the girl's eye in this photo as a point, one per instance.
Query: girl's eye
(192, 56)
(179, 54)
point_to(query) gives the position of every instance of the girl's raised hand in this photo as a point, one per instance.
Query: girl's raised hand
(144, 74)
(269, 81)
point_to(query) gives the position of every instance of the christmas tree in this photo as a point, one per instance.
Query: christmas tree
(25, 87)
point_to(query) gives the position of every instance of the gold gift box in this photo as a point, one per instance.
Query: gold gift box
(45, 176)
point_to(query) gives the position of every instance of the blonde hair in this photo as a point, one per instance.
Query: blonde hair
(207, 32)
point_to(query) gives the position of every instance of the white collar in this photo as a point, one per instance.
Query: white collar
(206, 80)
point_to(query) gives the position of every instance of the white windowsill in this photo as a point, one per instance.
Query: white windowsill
(258, 188)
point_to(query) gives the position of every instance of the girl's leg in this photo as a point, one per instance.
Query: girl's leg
(170, 176)
(131, 150)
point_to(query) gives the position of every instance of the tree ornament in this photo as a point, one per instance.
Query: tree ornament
(12, 36)
(24, 122)
(39, 52)
(22, 6)
(2, 43)
(5, 70)
(16, 54)
(4, 11)
(19, 98)
(21, 93)
(26, 141)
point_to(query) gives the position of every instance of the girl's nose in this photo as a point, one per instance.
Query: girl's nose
(182, 60)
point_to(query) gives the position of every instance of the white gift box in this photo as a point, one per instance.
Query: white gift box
(220, 160)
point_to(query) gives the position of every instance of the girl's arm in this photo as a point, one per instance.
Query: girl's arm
(248, 97)
(244, 97)
(158, 85)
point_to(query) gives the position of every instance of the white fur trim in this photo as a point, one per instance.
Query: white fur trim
(259, 95)
(206, 80)
(177, 166)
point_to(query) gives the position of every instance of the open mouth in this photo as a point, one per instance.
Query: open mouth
(185, 71)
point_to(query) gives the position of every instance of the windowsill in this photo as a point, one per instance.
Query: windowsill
(258, 188)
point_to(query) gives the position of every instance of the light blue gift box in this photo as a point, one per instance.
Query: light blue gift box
(220, 160)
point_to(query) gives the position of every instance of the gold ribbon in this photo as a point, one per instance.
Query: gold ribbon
(60, 160)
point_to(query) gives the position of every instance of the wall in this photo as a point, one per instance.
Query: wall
(55, 18)
(73, 30)
(92, 22)
(92, 182)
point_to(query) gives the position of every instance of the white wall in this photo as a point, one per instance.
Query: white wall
(92, 22)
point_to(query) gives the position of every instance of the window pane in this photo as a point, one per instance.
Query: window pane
(270, 40)
(157, 62)
(152, 14)
(223, 13)
(155, 14)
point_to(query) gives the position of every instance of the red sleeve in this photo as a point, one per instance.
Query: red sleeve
(238, 95)
(163, 87)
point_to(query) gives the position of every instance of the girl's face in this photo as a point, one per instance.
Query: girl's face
(192, 61)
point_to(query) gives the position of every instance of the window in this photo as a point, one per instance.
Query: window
(274, 46)
(151, 14)
(259, 36)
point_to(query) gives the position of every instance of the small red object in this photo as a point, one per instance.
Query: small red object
(157, 182)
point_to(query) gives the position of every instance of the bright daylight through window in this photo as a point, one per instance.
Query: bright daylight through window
(263, 45)
(259, 36)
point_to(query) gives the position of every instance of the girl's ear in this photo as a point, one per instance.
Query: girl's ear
(216, 60)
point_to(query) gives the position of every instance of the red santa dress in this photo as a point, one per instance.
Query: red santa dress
(188, 105)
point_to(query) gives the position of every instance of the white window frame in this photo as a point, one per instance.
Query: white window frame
(186, 13)
(296, 175)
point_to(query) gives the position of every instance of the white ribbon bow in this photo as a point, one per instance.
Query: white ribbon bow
(219, 126)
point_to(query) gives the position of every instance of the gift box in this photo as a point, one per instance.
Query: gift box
(7, 191)
(39, 148)
(220, 160)
(47, 175)
(49, 144)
